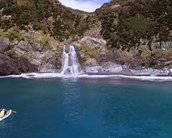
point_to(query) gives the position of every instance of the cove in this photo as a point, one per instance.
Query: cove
(86, 108)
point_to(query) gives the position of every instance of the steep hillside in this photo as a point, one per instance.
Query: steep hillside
(46, 15)
(130, 23)
(125, 23)
(142, 29)
(136, 34)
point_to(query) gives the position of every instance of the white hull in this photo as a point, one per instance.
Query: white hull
(7, 115)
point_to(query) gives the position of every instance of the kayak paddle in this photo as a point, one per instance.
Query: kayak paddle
(14, 112)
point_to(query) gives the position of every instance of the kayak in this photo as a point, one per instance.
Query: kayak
(6, 115)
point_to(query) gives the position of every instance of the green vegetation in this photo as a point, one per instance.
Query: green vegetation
(126, 22)
(46, 15)
(13, 34)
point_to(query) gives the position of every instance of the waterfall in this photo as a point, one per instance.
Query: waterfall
(70, 64)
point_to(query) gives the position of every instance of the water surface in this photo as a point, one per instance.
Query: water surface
(86, 108)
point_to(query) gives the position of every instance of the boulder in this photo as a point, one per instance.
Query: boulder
(94, 69)
(91, 62)
(91, 41)
(126, 71)
(92, 66)
(7, 66)
(170, 72)
(25, 46)
(112, 67)
(117, 54)
(103, 51)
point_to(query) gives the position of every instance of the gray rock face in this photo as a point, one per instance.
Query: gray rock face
(7, 66)
(10, 62)
(92, 66)
(95, 42)
(95, 31)
(162, 45)
(103, 51)
(22, 57)
(4, 45)
(112, 67)
(91, 62)
(25, 66)
(95, 57)
(117, 54)
(46, 60)
(47, 68)
(170, 72)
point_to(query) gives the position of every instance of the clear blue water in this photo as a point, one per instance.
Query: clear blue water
(86, 108)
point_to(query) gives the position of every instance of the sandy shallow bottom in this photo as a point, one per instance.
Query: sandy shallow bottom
(58, 75)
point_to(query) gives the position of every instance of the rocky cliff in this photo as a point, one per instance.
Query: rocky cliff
(128, 37)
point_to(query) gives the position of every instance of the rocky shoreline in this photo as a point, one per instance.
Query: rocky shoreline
(94, 57)
(130, 72)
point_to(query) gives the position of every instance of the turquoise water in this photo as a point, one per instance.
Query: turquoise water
(86, 108)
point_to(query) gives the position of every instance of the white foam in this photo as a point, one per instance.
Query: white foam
(70, 63)
(58, 75)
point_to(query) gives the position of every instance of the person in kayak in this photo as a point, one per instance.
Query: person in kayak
(2, 113)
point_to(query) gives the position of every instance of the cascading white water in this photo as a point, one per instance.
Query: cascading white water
(70, 64)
